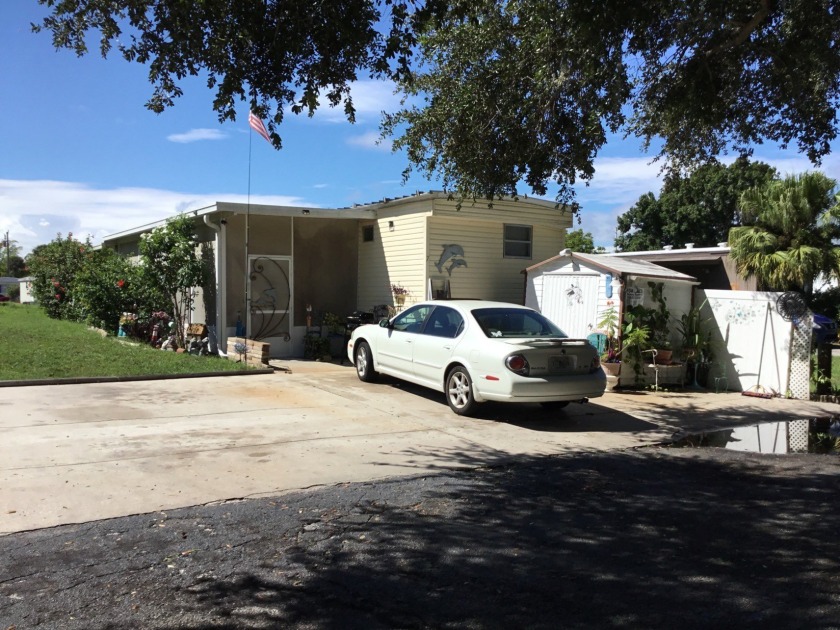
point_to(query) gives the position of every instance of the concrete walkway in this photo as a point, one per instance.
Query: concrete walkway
(77, 453)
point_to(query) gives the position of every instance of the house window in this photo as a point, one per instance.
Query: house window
(518, 241)
(367, 233)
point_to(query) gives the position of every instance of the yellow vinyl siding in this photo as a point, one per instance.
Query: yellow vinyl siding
(407, 253)
(488, 274)
(522, 212)
(394, 257)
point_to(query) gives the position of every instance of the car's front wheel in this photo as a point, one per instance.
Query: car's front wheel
(364, 363)
(459, 393)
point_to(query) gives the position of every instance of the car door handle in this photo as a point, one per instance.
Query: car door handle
(447, 347)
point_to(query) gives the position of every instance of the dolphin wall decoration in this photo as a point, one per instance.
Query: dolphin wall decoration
(449, 251)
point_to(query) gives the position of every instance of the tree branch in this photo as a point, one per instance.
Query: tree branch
(746, 30)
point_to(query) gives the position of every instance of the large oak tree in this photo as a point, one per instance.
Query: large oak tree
(512, 93)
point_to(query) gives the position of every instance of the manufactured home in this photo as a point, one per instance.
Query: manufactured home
(277, 268)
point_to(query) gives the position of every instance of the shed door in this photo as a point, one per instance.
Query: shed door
(571, 302)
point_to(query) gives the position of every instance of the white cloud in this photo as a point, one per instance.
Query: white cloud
(34, 211)
(618, 180)
(370, 99)
(370, 140)
(197, 135)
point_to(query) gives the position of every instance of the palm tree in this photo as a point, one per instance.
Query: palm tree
(789, 232)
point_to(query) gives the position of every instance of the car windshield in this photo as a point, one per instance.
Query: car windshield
(515, 322)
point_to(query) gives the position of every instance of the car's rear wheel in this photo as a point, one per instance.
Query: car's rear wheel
(555, 405)
(364, 363)
(459, 393)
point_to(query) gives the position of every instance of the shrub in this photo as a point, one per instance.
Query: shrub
(110, 284)
(53, 268)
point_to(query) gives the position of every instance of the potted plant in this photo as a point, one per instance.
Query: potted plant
(400, 293)
(608, 324)
(335, 328)
(658, 321)
(696, 346)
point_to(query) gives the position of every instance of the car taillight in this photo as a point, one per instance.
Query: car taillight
(518, 364)
(596, 364)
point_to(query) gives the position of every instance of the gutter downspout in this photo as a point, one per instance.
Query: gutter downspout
(221, 281)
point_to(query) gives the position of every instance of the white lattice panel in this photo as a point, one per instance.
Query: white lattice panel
(798, 436)
(800, 359)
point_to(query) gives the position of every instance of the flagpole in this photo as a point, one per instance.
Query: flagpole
(256, 124)
(247, 241)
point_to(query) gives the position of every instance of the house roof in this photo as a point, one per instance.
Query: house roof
(679, 255)
(618, 265)
(357, 211)
(225, 207)
(439, 194)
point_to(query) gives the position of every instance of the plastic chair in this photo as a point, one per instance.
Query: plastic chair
(598, 341)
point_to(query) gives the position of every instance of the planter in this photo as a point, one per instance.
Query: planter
(611, 369)
(663, 357)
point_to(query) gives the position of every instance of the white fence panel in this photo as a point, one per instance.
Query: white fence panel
(754, 344)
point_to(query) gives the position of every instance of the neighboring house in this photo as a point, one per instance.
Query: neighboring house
(304, 262)
(26, 296)
(6, 283)
(712, 266)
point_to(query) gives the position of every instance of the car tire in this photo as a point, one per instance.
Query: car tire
(555, 405)
(459, 392)
(364, 363)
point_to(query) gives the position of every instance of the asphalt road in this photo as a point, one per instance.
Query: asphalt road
(638, 538)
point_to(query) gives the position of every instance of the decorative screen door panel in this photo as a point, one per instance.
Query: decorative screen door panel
(270, 296)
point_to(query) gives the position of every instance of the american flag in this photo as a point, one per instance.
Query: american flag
(258, 126)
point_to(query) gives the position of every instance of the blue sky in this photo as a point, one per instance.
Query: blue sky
(80, 152)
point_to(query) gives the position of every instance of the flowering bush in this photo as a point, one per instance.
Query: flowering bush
(53, 268)
(398, 289)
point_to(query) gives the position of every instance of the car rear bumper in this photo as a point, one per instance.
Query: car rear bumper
(524, 389)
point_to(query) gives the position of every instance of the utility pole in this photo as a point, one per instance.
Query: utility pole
(8, 257)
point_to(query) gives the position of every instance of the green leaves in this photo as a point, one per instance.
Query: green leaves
(171, 261)
(74, 281)
(272, 53)
(580, 241)
(513, 94)
(792, 236)
(698, 208)
(509, 94)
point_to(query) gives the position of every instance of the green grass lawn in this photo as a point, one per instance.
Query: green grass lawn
(33, 346)
(835, 373)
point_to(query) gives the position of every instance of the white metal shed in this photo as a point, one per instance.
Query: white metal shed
(573, 289)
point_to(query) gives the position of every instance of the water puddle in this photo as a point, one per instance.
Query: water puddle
(819, 436)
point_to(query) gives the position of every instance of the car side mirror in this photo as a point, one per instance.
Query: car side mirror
(384, 323)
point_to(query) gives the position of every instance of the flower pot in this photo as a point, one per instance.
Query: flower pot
(611, 369)
(663, 357)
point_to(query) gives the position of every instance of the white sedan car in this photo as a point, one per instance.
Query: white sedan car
(475, 351)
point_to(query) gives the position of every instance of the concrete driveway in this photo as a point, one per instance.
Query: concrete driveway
(77, 453)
